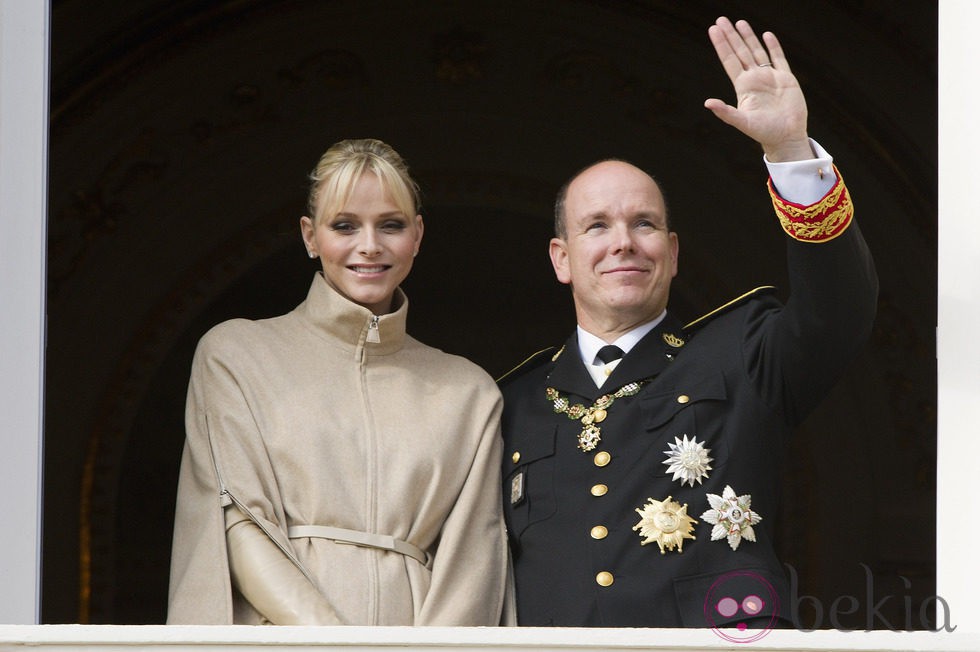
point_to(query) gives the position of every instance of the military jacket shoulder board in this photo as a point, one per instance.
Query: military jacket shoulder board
(533, 361)
(703, 320)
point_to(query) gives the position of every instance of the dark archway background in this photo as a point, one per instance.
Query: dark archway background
(181, 134)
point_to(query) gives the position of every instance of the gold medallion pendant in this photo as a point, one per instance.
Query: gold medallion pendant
(592, 416)
(666, 523)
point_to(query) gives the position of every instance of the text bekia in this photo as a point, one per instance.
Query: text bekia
(850, 605)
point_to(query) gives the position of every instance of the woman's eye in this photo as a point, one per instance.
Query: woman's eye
(393, 227)
(342, 227)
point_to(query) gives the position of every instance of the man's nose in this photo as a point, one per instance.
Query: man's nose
(623, 240)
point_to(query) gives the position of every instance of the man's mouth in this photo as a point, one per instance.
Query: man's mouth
(625, 269)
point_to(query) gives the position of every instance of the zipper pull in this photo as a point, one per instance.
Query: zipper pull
(374, 334)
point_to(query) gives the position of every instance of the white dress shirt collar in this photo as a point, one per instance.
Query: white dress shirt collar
(589, 345)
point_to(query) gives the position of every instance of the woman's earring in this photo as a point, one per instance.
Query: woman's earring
(312, 254)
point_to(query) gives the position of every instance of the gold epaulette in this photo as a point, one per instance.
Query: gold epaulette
(532, 361)
(819, 222)
(722, 309)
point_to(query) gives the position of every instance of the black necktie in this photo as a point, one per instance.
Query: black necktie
(608, 353)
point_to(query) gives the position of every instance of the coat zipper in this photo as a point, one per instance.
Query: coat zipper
(370, 464)
(374, 333)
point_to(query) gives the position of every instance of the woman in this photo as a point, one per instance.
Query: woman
(337, 471)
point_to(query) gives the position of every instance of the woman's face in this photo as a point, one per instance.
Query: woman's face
(367, 248)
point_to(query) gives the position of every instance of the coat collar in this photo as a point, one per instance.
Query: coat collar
(645, 360)
(347, 324)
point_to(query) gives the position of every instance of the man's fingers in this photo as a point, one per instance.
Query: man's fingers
(757, 55)
(776, 53)
(729, 60)
(724, 112)
(737, 43)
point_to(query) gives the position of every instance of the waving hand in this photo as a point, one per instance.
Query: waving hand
(770, 107)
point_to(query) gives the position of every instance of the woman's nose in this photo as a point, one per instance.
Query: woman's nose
(369, 244)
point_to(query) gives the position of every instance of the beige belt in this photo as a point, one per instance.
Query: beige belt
(358, 538)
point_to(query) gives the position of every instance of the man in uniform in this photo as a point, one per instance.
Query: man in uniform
(642, 459)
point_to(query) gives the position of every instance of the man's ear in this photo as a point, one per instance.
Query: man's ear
(674, 251)
(558, 250)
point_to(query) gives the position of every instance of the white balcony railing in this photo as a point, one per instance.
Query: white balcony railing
(135, 638)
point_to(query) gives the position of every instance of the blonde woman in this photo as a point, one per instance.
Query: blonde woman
(336, 470)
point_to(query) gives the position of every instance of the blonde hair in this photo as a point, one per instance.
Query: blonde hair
(342, 165)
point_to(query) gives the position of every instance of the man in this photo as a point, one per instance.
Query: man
(640, 488)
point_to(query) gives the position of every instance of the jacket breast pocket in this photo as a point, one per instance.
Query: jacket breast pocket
(694, 411)
(529, 480)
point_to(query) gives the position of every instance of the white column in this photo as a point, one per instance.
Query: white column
(958, 332)
(23, 195)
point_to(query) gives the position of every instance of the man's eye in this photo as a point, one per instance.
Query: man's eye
(595, 226)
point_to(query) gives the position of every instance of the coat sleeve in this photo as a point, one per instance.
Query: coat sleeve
(269, 580)
(796, 354)
(200, 585)
(224, 462)
(470, 563)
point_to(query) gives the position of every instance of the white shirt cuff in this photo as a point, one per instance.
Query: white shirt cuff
(804, 182)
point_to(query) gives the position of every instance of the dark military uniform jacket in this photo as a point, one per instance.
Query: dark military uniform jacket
(735, 382)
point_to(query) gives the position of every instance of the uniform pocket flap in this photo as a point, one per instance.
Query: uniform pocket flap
(529, 494)
(662, 406)
(755, 597)
(530, 446)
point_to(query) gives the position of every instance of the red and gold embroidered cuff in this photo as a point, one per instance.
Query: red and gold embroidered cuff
(819, 222)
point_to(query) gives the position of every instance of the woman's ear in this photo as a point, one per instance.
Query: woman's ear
(308, 231)
(419, 228)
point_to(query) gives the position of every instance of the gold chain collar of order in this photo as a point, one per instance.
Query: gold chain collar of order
(591, 416)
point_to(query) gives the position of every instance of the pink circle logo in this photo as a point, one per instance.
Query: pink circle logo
(740, 595)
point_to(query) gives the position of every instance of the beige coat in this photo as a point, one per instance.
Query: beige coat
(299, 420)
